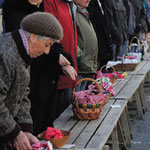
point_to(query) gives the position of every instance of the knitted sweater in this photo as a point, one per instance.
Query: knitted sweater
(14, 80)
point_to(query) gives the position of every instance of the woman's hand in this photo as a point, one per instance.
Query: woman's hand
(70, 71)
(21, 142)
(63, 61)
(32, 139)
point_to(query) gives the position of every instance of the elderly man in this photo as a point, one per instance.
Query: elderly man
(37, 34)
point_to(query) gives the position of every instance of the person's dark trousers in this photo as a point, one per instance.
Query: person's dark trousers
(1, 147)
(118, 48)
(64, 99)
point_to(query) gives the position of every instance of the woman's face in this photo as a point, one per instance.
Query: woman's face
(35, 2)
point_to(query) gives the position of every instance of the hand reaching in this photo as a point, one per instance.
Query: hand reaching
(21, 142)
(32, 139)
(70, 71)
(63, 61)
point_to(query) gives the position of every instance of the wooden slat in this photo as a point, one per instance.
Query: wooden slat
(80, 127)
(139, 105)
(143, 70)
(106, 147)
(139, 67)
(146, 57)
(90, 129)
(121, 83)
(126, 127)
(105, 129)
(130, 88)
(64, 118)
(142, 97)
(115, 142)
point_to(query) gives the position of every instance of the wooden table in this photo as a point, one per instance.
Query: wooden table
(131, 86)
(146, 57)
(94, 134)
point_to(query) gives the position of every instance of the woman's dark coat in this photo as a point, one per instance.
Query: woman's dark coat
(116, 13)
(45, 70)
(99, 21)
(15, 10)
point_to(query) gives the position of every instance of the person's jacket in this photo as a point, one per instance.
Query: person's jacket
(116, 14)
(14, 82)
(87, 44)
(15, 10)
(45, 70)
(61, 11)
(140, 15)
(122, 17)
(100, 23)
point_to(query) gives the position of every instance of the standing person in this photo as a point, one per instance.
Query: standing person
(45, 70)
(110, 11)
(87, 44)
(100, 23)
(17, 49)
(123, 27)
(14, 11)
(64, 11)
(140, 17)
(147, 8)
(115, 12)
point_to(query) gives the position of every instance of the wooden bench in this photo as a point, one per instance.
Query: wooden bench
(94, 134)
(146, 57)
(142, 69)
(129, 87)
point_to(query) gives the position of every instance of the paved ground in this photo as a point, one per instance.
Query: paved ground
(141, 128)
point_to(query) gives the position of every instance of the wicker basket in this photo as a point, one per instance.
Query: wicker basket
(86, 111)
(112, 80)
(131, 42)
(125, 67)
(107, 99)
(129, 66)
(57, 143)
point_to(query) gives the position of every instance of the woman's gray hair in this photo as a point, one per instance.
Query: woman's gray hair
(39, 37)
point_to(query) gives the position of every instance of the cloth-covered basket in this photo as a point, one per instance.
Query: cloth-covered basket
(109, 74)
(86, 111)
(124, 66)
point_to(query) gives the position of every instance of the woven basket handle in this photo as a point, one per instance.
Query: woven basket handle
(86, 79)
(109, 66)
(130, 45)
(123, 57)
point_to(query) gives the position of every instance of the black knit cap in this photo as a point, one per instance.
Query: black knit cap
(44, 24)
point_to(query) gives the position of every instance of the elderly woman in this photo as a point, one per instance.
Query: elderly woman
(45, 70)
(31, 41)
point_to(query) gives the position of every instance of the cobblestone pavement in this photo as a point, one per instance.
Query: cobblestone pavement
(141, 128)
